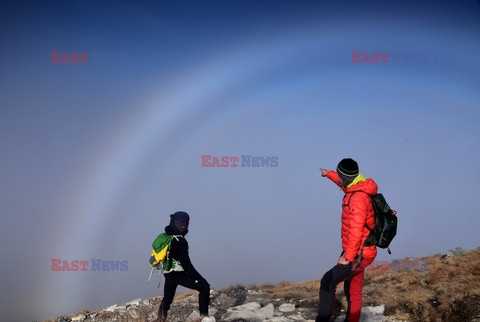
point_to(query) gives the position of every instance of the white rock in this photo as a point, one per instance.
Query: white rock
(252, 306)
(212, 311)
(369, 314)
(79, 317)
(115, 307)
(287, 307)
(134, 313)
(376, 310)
(134, 302)
(267, 311)
(208, 319)
(296, 317)
(250, 311)
(281, 319)
(111, 308)
(153, 315)
(371, 318)
(239, 315)
(193, 316)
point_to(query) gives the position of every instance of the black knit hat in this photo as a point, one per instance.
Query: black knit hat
(180, 221)
(347, 169)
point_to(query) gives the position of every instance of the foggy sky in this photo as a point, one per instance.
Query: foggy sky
(97, 155)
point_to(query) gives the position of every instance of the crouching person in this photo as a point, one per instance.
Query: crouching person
(185, 273)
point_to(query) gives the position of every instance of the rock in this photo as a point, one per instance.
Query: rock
(224, 301)
(376, 310)
(240, 315)
(134, 302)
(267, 311)
(250, 311)
(423, 282)
(281, 319)
(134, 313)
(252, 306)
(111, 308)
(287, 307)
(458, 251)
(212, 311)
(115, 307)
(369, 314)
(153, 315)
(79, 317)
(208, 319)
(195, 315)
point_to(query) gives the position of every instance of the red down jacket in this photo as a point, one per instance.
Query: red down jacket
(357, 210)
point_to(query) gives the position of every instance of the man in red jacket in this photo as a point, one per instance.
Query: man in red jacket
(357, 211)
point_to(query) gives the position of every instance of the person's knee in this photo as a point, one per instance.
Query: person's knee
(326, 282)
(205, 287)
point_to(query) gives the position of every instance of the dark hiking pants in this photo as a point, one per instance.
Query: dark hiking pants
(173, 279)
(352, 287)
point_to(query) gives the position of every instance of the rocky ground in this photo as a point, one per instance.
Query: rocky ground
(233, 304)
(448, 290)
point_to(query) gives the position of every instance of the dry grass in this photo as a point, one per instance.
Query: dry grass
(304, 294)
(448, 291)
(437, 294)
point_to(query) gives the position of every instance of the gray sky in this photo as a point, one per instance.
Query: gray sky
(95, 156)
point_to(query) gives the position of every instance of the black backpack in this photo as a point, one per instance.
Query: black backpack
(386, 221)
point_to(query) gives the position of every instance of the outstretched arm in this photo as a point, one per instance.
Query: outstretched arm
(332, 175)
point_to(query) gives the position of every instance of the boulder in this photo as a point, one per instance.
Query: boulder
(251, 312)
(287, 307)
(79, 317)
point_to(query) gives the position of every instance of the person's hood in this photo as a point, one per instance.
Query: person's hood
(173, 230)
(366, 185)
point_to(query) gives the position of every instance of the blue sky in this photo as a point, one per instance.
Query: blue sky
(96, 156)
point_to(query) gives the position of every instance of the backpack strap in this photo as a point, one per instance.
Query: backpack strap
(365, 225)
(170, 244)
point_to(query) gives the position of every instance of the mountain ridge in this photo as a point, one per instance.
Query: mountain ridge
(441, 287)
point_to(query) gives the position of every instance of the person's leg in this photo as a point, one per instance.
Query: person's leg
(353, 291)
(346, 289)
(328, 287)
(201, 285)
(168, 294)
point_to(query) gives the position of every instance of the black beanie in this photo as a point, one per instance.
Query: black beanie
(347, 169)
(180, 220)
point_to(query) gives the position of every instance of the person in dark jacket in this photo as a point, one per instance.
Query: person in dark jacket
(357, 213)
(188, 277)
